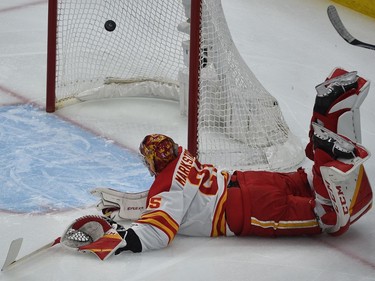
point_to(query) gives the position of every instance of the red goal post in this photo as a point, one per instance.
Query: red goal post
(173, 49)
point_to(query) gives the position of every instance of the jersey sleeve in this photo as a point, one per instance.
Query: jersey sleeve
(159, 224)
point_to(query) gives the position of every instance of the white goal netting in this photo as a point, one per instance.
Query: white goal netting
(144, 51)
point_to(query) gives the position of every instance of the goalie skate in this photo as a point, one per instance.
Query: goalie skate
(336, 146)
(337, 105)
(337, 85)
(345, 179)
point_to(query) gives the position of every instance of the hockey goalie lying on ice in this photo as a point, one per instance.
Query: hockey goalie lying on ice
(196, 199)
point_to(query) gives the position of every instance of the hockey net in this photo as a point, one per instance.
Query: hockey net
(161, 49)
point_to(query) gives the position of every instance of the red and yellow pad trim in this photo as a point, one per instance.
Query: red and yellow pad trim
(362, 197)
(104, 246)
(356, 191)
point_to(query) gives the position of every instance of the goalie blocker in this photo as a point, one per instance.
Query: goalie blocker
(119, 205)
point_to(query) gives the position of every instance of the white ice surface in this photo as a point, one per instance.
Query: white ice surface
(291, 46)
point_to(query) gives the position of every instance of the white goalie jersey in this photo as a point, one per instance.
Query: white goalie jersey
(186, 197)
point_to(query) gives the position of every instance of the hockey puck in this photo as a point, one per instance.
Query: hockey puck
(110, 25)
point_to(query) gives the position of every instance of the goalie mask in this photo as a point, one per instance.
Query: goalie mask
(158, 151)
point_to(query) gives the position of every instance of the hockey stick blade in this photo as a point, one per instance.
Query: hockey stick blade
(14, 249)
(343, 32)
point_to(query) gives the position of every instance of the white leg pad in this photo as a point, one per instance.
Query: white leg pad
(343, 186)
(349, 123)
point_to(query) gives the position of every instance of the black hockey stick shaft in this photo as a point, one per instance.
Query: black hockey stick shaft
(343, 32)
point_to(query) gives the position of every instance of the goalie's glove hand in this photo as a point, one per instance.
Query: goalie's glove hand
(95, 234)
(101, 236)
(119, 205)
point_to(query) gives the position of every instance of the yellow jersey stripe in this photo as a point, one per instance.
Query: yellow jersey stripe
(161, 226)
(218, 222)
(165, 216)
(162, 221)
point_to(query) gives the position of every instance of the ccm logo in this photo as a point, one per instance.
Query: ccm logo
(341, 198)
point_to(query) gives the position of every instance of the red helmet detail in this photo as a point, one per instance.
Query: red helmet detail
(158, 151)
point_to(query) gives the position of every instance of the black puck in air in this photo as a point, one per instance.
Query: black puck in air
(110, 25)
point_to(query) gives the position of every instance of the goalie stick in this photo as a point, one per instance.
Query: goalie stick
(14, 249)
(343, 32)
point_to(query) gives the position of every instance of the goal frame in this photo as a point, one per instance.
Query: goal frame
(196, 77)
(51, 56)
(192, 134)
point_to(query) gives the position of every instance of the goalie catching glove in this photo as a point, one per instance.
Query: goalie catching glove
(101, 236)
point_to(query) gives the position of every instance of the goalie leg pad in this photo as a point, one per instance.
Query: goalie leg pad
(342, 190)
(350, 194)
(337, 105)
